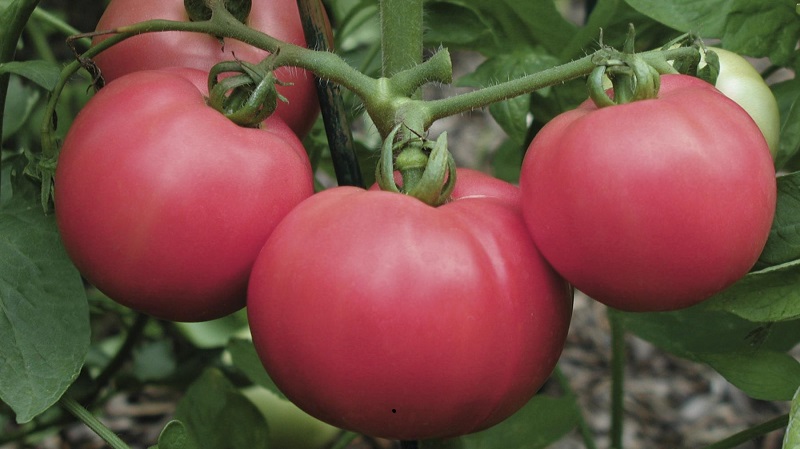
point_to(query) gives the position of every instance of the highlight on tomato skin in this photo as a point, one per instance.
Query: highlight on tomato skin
(653, 205)
(278, 18)
(163, 203)
(426, 323)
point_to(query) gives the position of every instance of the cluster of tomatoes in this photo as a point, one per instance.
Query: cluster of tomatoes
(372, 310)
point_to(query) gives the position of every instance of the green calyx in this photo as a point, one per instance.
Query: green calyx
(198, 10)
(248, 96)
(427, 168)
(632, 77)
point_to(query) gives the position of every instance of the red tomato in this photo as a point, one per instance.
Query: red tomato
(377, 313)
(278, 18)
(653, 205)
(163, 203)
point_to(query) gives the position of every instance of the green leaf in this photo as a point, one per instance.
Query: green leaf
(749, 355)
(698, 331)
(44, 313)
(765, 375)
(19, 104)
(762, 29)
(246, 359)
(614, 17)
(754, 28)
(791, 439)
(768, 295)
(544, 22)
(154, 361)
(175, 436)
(706, 18)
(783, 244)
(499, 25)
(217, 415)
(506, 161)
(787, 94)
(458, 25)
(43, 73)
(541, 422)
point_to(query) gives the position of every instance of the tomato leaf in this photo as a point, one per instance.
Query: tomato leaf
(43, 73)
(246, 359)
(787, 94)
(791, 439)
(763, 29)
(786, 230)
(509, 24)
(174, 436)
(541, 422)
(747, 27)
(218, 415)
(706, 17)
(763, 296)
(749, 355)
(765, 375)
(697, 331)
(458, 25)
(44, 325)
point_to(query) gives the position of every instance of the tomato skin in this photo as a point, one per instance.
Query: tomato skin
(163, 203)
(653, 205)
(742, 83)
(407, 321)
(278, 18)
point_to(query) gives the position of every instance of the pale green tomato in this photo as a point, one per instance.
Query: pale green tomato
(742, 83)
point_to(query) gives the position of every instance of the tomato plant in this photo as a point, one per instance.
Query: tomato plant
(393, 331)
(163, 204)
(652, 205)
(380, 313)
(279, 18)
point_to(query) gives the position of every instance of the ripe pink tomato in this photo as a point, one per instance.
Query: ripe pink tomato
(163, 203)
(377, 313)
(653, 205)
(278, 18)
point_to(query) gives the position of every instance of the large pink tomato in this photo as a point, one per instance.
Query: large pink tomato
(278, 18)
(377, 313)
(653, 205)
(163, 203)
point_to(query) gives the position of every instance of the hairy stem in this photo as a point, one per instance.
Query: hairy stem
(15, 16)
(617, 379)
(401, 35)
(746, 435)
(93, 423)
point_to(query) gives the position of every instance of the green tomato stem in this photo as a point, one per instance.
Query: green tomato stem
(334, 113)
(15, 17)
(458, 104)
(401, 35)
(746, 435)
(93, 423)
(617, 379)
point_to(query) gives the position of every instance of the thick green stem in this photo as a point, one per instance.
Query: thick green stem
(483, 97)
(334, 113)
(617, 379)
(15, 16)
(752, 433)
(401, 35)
(93, 423)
